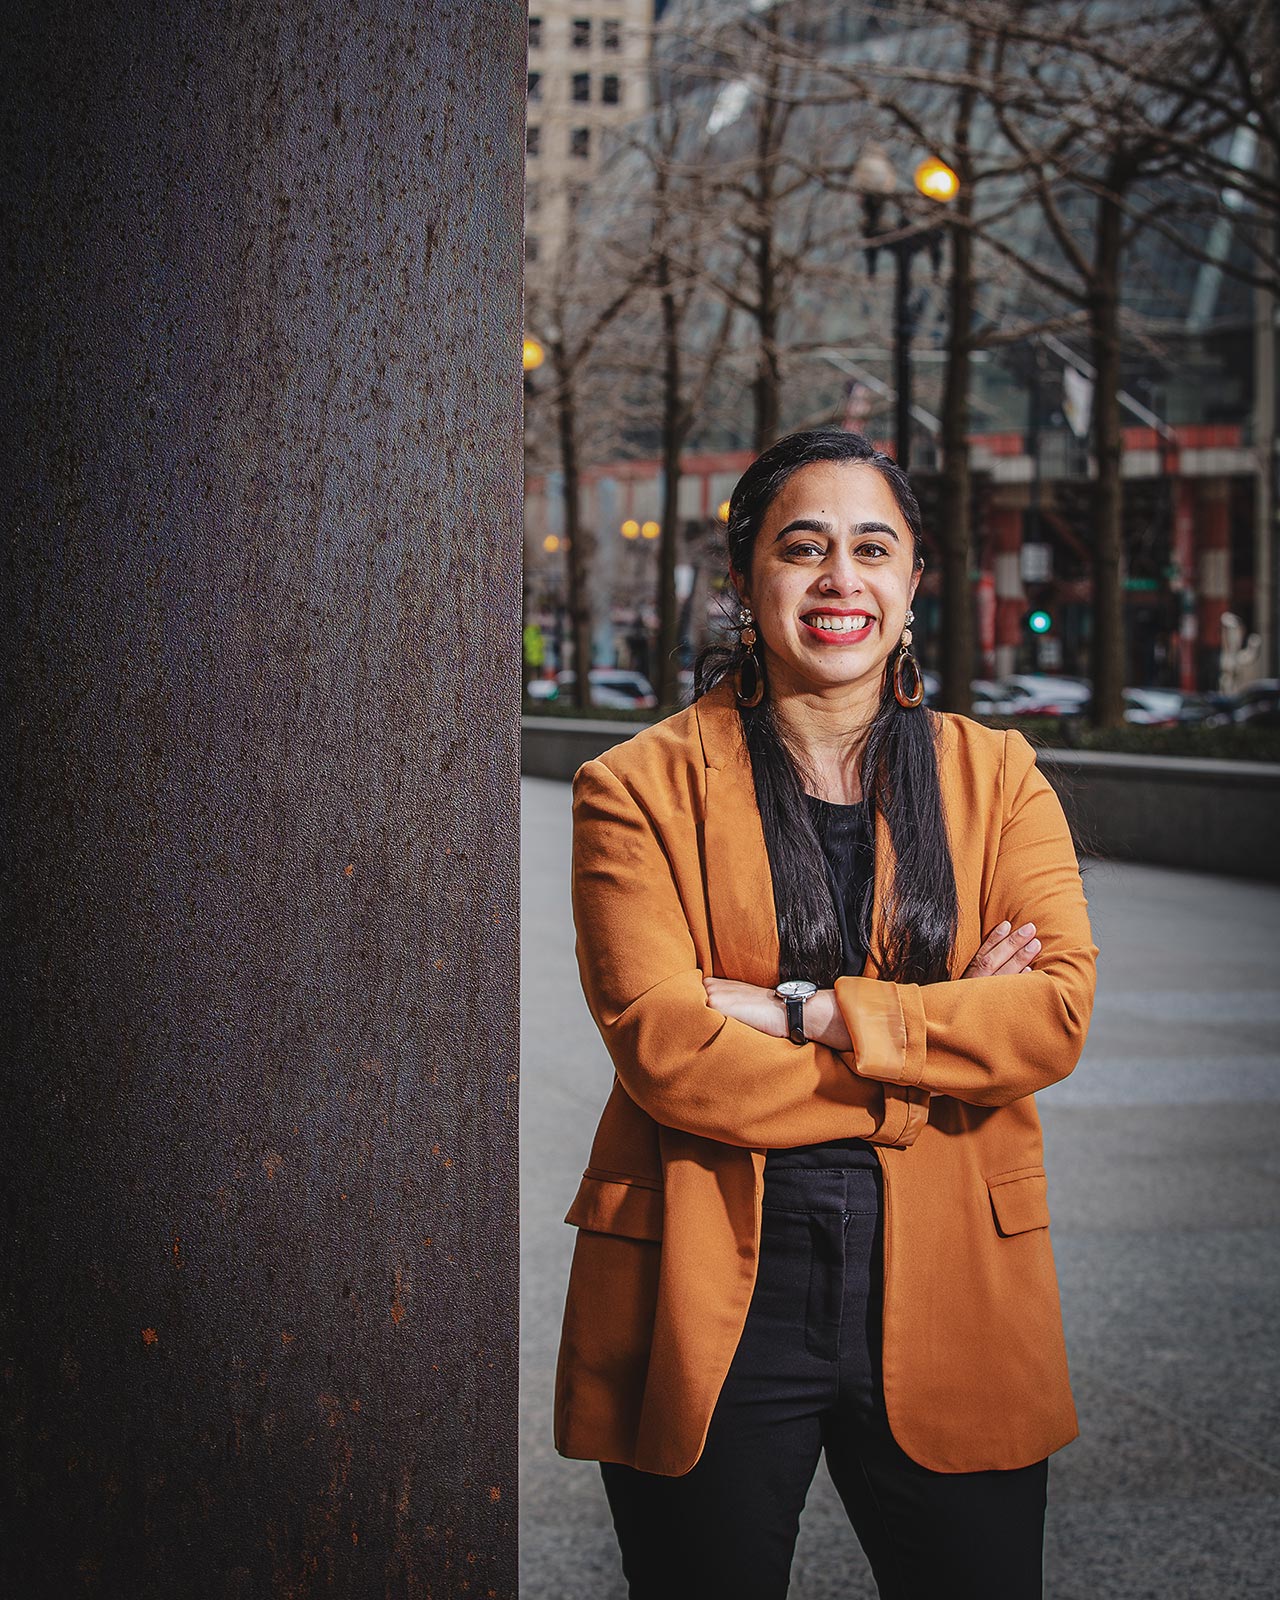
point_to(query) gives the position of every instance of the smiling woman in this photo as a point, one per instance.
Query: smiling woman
(815, 1214)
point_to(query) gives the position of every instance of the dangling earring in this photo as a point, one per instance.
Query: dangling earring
(905, 665)
(750, 672)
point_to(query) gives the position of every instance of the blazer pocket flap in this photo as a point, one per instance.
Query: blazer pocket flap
(1020, 1200)
(607, 1205)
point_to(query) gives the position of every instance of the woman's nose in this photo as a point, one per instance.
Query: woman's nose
(840, 575)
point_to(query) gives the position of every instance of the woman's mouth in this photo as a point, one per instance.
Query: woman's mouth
(838, 627)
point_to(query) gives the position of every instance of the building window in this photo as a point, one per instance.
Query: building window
(611, 35)
(575, 194)
(582, 33)
(611, 89)
(581, 86)
(535, 86)
(533, 141)
(532, 196)
(580, 143)
(531, 246)
(535, 33)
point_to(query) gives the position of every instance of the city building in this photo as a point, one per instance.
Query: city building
(588, 72)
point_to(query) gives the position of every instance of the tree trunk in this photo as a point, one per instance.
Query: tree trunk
(576, 552)
(666, 682)
(1107, 645)
(766, 390)
(954, 532)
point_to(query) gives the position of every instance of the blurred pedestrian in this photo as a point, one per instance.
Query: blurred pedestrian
(534, 653)
(834, 942)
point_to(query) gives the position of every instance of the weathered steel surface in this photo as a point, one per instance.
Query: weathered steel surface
(262, 635)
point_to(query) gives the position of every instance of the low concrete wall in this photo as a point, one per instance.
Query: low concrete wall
(1213, 816)
(555, 747)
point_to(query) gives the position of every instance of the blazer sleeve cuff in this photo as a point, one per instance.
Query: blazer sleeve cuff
(886, 1023)
(906, 1111)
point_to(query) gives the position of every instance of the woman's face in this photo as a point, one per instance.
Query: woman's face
(832, 576)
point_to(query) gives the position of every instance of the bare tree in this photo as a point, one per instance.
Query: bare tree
(678, 225)
(1109, 138)
(768, 148)
(568, 311)
(1041, 101)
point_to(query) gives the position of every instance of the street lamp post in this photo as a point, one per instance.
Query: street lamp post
(877, 181)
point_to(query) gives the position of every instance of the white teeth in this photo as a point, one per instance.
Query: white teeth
(840, 624)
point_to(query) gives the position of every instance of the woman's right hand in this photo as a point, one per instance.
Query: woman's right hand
(1005, 950)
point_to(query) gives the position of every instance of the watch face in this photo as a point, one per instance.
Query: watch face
(797, 989)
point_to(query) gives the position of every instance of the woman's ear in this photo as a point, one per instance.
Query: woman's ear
(915, 583)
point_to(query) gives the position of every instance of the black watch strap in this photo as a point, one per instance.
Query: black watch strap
(795, 1020)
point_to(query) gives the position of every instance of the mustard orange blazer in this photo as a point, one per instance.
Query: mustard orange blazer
(670, 882)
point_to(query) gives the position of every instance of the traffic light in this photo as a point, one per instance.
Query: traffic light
(1038, 621)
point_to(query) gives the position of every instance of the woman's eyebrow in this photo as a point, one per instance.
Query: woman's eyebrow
(821, 525)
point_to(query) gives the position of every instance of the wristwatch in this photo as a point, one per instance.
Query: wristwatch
(793, 994)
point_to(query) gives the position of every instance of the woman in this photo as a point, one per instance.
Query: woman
(834, 942)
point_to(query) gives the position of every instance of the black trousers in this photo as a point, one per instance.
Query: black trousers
(805, 1379)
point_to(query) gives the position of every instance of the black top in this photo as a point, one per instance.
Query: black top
(848, 842)
(847, 836)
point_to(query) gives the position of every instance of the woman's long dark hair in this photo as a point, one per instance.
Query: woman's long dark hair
(899, 767)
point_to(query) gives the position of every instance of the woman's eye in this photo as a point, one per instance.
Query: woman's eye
(872, 549)
(804, 549)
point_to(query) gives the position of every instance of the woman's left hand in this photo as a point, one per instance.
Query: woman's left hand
(747, 1002)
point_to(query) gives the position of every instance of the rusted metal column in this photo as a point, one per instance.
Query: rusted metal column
(261, 411)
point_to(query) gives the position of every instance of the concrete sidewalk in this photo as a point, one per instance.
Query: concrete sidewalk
(1163, 1150)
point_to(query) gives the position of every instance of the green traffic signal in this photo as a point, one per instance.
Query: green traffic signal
(1039, 621)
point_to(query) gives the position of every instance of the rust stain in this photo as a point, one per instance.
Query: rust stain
(286, 1338)
(332, 1408)
(177, 1250)
(495, 1494)
(271, 1163)
(349, 868)
(150, 1336)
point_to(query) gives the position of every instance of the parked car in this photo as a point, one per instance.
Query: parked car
(1031, 695)
(1210, 710)
(543, 689)
(612, 687)
(1258, 703)
(989, 699)
(1153, 708)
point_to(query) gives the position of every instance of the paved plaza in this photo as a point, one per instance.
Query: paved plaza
(1163, 1150)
